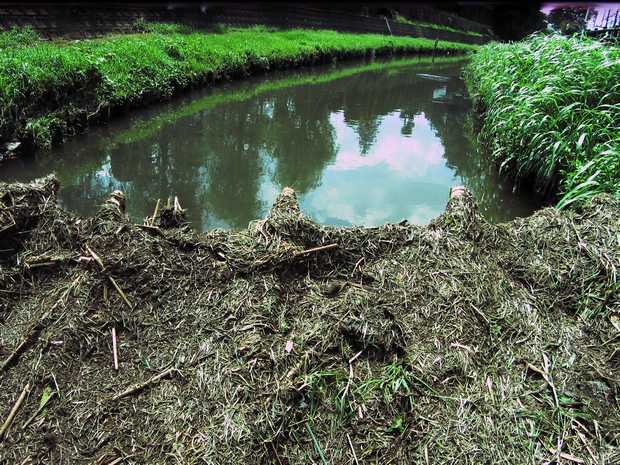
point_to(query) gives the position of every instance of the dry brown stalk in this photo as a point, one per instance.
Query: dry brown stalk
(13, 412)
(316, 249)
(152, 221)
(140, 386)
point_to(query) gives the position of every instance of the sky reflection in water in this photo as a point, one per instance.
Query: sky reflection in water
(362, 145)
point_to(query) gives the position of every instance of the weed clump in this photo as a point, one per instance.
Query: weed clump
(550, 108)
(18, 37)
(292, 342)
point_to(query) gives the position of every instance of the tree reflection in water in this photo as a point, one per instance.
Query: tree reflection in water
(370, 147)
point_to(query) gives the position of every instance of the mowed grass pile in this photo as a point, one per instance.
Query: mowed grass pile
(460, 342)
(51, 89)
(551, 112)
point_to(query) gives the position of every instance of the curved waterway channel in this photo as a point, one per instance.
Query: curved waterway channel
(362, 144)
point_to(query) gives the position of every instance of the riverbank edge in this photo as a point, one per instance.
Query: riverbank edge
(77, 114)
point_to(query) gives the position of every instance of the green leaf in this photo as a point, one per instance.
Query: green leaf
(581, 139)
(45, 396)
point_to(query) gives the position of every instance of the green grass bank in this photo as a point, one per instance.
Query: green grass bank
(550, 108)
(401, 19)
(51, 90)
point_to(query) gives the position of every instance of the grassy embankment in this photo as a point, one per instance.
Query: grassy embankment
(550, 109)
(49, 90)
(401, 19)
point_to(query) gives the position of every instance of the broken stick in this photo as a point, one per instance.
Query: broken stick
(112, 280)
(316, 249)
(15, 353)
(352, 449)
(152, 222)
(95, 257)
(120, 291)
(114, 351)
(139, 387)
(14, 410)
(33, 334)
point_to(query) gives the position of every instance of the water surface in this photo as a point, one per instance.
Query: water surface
(362, 144)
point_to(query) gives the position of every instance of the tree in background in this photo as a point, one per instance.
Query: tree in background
(569, 20)
(509, 20)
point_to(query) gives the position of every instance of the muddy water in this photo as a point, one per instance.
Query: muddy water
(362, 144)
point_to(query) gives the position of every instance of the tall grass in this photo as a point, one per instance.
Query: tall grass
(51, 89)
(550, 109)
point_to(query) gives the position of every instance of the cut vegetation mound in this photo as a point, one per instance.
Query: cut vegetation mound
(291, 342)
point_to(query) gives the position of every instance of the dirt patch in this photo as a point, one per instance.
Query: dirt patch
(291, 342)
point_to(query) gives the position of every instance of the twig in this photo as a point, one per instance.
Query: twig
(112, 280)
(149, 227)
(388, 25)
(120, 291)
(350, 380)
(565, 456)
(276, 452)
(352, 449)
(15, 353)
(114, 351)
(583, 439)
(356, 265)
(155, 213)
(95, 257)
(32, 335)
(14, 410)
(139, 387)
(316, 249)
(118, 460)
(480, 314)
(546, 376)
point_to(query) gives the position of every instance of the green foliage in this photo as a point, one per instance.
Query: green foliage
(124, 71)
(16, 37)
(162, 28)
(551, 110)
(392, 386)
(401, 19)
(47, 130)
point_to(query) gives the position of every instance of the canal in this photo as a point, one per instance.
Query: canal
(362, 144)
